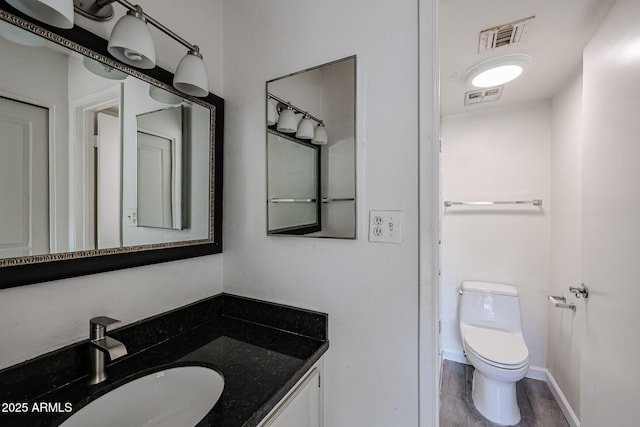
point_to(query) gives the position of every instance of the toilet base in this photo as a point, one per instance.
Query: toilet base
(495, 400)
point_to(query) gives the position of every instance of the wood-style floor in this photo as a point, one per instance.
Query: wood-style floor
(538, 408)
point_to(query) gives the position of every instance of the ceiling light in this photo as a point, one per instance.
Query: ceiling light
(497, 71)
(58, 13)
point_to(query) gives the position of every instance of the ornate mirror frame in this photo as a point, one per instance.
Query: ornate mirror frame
(41, 268)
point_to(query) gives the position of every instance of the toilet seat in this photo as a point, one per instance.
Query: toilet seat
(502, 349)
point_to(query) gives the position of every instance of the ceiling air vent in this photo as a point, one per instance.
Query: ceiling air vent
(504, 35)
(484, 95)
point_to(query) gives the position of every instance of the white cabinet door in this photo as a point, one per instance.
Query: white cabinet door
(302, 407)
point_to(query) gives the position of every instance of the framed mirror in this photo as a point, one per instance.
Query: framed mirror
(102, 166)
(311, 152)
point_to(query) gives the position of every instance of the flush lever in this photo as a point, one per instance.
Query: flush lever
(580, 292)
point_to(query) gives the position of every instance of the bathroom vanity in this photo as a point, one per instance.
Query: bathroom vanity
(269, 355)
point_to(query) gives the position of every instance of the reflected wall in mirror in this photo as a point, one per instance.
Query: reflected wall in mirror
(72, 122)
(311, 155)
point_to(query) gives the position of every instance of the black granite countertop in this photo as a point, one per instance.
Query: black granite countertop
(261, 349)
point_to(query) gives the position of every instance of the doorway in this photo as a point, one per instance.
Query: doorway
(584, 231)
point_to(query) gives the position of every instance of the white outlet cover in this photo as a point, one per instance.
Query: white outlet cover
(385, 226)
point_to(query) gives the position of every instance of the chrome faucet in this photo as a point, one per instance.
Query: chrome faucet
(100, 346)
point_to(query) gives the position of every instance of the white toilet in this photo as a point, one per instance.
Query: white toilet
(491, 330)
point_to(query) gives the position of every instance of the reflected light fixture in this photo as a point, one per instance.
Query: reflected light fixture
(287, 121)
(320, 135)
(293, 119)
(497, 71)
(272, 112)
(131, 42)
(164, 96)
(305, 128)
(57, 13)
(19, 36)
(103, 70)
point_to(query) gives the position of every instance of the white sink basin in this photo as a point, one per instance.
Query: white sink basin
(174, 397)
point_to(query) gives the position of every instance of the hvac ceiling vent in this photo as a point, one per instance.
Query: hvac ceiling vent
(484, 95)
(504, 35)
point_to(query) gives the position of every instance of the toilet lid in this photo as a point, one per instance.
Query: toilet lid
(496, 346)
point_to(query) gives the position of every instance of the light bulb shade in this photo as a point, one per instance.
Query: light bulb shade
(103, 70)
(287, 121)
(497, 71)
(272, 112)
(131, 42)
(191, 75)
(320, 135)
(305, 129)
(58, 13)
(19, 36)
(164, 96)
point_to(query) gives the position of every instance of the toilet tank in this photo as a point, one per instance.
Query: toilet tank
(492, 305)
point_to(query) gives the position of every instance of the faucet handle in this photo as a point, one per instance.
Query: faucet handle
(98, 325)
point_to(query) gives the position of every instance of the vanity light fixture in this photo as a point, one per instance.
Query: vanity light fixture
(320, 135)
(287, 120)
(272, 112)
(497, 71)
(305, 128)
(103, 70)
(293, 119)
(57, 13)
(131, 42)
(164, 96)
(191, 75)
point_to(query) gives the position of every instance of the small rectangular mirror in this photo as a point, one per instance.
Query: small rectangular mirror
(311, 155)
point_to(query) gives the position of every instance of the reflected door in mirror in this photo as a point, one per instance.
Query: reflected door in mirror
(159, 177)
(24, 166)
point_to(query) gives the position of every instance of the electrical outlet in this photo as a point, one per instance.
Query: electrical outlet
(385, 226)
(132, 217)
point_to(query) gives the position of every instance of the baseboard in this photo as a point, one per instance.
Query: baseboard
(562, 400)
(536, 373)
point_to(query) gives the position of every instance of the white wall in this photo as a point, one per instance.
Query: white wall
(369, 290)
(498, 154)
(565, 326)
(42, 317)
